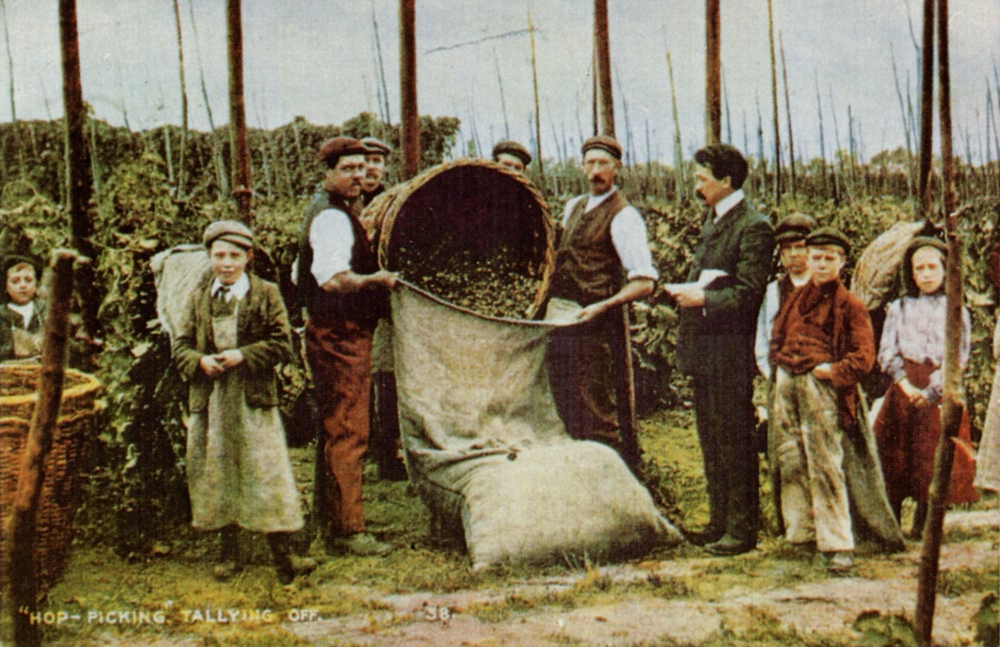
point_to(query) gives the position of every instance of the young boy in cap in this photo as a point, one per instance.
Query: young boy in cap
(512, 155)
(22, 315)
(790, 236)
(239, 474)
(822, 345)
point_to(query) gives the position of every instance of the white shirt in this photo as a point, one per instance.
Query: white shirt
(628, 235)
(237, 290)
(27, 311)
(725, 205)
(331, 237)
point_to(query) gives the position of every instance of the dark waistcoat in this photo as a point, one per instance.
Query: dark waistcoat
(364, 307)
(587, 267)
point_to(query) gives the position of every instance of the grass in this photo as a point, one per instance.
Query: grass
(175, 578)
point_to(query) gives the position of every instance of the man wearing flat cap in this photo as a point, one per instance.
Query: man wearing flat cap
(602, 263)
(375, 157)
(512, 155)
(344, 292)
(715, 345)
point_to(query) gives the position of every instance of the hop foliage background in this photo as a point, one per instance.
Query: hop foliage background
(145, 204)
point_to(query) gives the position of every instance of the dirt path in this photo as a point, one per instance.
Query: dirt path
(762, 599)
(818, 608)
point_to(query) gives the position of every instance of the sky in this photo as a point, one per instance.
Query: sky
(317, 59)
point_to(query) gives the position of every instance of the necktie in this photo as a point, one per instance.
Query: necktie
(222, 302)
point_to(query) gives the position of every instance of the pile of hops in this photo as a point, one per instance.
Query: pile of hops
(492, 284)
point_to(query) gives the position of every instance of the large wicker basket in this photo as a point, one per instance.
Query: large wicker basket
(479, 205)
(61, 489)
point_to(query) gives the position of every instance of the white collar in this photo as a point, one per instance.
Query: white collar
(27, 311)
(725, 205)
(594, 200)
(238, 289)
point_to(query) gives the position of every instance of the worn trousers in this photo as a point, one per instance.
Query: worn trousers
(724, 413)
(814, 500)
(339, 354)
(581, 374)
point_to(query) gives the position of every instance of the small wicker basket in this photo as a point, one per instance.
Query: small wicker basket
(61, 489)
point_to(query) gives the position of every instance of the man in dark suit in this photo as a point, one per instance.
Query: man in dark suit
(719, 305)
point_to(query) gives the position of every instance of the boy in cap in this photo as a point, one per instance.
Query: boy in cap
(239, 474)
(344, 292)
(22, 314)
(512, 155)
(790, 236)
(821, 347)
(602, 263)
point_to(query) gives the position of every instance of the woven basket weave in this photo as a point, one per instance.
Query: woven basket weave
(61, 489)
(475, 202)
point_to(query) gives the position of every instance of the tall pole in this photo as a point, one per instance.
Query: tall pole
(926, 110)
(602, 45)
(538, 114)
(713, 73)
(774, 104)
(408, 93)
(237, 115)
(79, 181)
(184, 102)
(951, 400)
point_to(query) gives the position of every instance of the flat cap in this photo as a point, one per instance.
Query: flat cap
(828, 236)
(794, 226)
(231, 231)
(8, 261)
(512, 148)
(333, 149)
(604, 143)
(375, 146)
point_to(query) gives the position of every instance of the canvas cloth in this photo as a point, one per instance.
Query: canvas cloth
(488, 453)
(988, 460)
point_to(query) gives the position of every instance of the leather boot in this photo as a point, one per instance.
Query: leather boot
(230, 561)
(288, 566)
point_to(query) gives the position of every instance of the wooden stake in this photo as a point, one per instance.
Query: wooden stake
(926, 111)
(951, 399)
(602, 69)
(237, 115)
(774, 104)
(21, 524)
(538, 117)
(408, 94)
(713, 73)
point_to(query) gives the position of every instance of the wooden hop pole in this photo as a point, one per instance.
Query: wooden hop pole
(237, 115)
(79, 181)
(408, 81)
(926, 110)
(774, 104)
(602, 69)
(713, 73)
(951, 399)
(21, 524)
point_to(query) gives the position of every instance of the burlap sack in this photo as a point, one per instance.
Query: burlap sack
(487, 450)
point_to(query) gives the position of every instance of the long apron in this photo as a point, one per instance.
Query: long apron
(237, 461)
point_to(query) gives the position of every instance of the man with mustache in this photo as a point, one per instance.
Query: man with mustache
(602, 262)
(715, 344)
(345, 294)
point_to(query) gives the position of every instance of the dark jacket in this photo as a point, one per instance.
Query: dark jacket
(10, 319)
(853, 347)
(262, 335)
(718, 337)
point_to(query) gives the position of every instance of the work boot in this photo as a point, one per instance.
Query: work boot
(362, 544)
(288, 566)
(230, 560)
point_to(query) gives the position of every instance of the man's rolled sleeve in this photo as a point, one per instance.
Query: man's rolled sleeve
(628, 234)
(331, 238)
